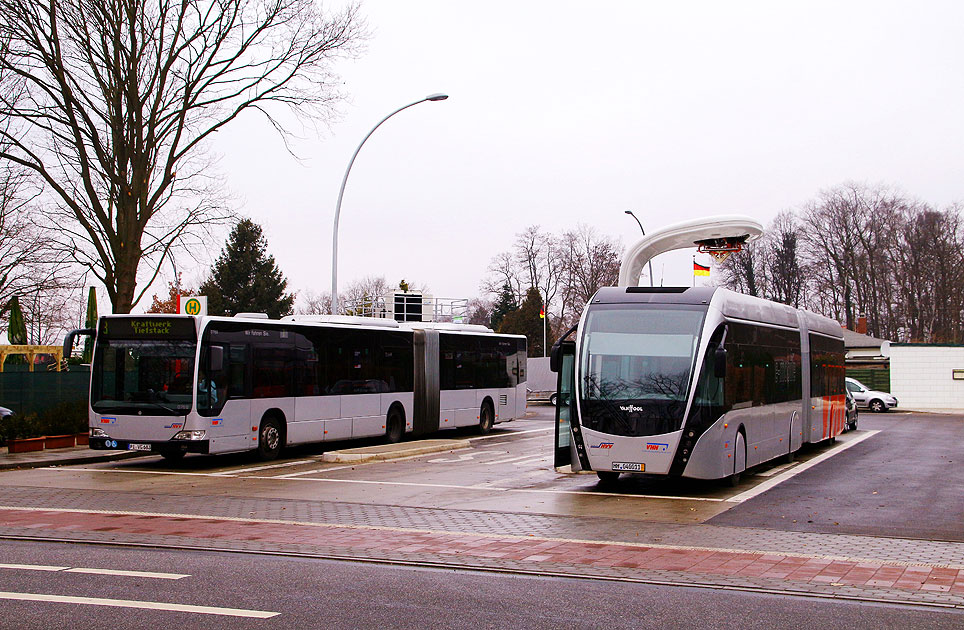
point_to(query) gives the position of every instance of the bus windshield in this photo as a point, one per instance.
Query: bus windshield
(152, 375)
(636, 366)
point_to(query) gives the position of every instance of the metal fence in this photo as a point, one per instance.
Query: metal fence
(34, 392)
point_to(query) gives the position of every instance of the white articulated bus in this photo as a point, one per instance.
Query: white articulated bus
(174, 384)
(696, 382)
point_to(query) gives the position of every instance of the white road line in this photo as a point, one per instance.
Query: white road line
(506, 460)
(775, 470)
(796, 470)
(228, 473)
(94, 571)
(121, 573)
(32, 567)
(133, 603)
(483, 487)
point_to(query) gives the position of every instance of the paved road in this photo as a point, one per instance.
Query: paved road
(497, 504)
(85, 586)
(906, 481)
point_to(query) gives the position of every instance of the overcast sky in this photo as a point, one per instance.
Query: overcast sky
(563, 113)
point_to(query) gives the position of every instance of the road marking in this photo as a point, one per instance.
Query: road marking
(775, 470)
(32, 567)
(483, 487)
(796, 470)
(498, 435)
(133, 603)
(508, 459)
(95, 571)
(228, 473)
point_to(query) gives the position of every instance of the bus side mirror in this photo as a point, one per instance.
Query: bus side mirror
(72, 335)
(719, 362)
(555, 356)
(216, 362)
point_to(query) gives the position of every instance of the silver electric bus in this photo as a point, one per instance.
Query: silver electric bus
(696, 382)
(173, 384)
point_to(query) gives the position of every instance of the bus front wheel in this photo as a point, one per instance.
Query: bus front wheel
(486, 418)
(269, 439)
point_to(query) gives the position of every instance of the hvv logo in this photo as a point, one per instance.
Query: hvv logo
(631, 408)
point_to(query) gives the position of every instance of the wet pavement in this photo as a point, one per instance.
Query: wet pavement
(716, 553)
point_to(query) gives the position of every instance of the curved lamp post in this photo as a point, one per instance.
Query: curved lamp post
(630, 213)
(341, 193)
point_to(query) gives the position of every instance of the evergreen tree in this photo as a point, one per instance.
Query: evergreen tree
(17, 327)
(503, 306)
(526, 321)
(245, 279)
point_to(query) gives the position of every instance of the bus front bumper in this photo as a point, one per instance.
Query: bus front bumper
(186, 446)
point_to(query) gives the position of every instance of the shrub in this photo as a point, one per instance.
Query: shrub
(19, 426)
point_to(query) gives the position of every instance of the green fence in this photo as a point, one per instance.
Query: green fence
(34, 392)
(873, 378)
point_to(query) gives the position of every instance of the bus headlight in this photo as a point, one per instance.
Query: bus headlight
(98, 433)
(188, 435)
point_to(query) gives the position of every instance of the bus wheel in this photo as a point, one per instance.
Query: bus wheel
(269, 439)
(394, 426)
(486, 418)
(607, 477)
(738, 450)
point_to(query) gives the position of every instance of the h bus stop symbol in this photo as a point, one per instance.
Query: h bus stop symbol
(194, 305)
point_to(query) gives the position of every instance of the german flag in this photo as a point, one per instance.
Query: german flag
(700, 270)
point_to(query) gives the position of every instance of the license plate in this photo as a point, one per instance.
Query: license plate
(138, 447)
(629, 466)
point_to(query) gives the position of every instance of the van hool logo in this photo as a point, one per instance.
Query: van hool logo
(631, 408)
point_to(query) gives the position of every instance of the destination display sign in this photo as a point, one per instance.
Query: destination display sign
(155, 328)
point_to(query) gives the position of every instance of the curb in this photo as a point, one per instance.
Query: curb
(67, 461)
(392, 451)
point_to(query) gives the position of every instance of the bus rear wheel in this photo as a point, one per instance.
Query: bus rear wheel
(269, 439)
(486, 418)
(394, 426)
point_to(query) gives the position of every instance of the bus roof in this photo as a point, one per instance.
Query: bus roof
(731, 304)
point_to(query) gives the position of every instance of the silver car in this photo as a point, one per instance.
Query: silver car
(872, 399)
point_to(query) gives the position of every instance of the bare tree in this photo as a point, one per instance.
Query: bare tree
(23, 255)
(314, 303)
(111, 102)
(588, 261)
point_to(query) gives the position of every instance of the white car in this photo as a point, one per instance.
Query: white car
(870, 398)
(4, 412)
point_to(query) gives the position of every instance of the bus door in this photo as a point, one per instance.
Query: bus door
(563, 363)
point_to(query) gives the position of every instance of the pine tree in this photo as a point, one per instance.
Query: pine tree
(503, 306)
(526, 321)
(245, 279)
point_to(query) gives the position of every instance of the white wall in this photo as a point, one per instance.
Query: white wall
(920, 376)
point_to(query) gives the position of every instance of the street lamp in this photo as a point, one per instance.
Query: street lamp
(341, 193)
(630, 213)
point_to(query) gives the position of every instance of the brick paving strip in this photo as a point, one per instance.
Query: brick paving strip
(785, 572)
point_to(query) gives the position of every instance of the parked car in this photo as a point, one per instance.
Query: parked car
(851, 412)
(872, 399)
(5, 413)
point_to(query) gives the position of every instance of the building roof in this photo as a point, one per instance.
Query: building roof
(853, 339)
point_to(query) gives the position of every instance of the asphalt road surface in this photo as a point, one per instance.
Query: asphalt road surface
(905, 481)
(45, 585)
